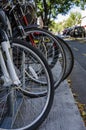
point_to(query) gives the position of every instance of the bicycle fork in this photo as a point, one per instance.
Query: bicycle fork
(7, 66)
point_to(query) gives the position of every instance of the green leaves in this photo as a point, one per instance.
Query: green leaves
(51, 8)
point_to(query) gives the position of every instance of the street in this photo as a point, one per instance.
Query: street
(78, 75)
(79, 50)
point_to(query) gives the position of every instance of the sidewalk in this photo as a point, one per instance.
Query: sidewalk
(64, 114)
(73, 38)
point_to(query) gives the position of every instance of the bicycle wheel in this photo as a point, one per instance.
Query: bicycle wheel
(55, 54)
(18, 109)
(69, 57)
(31, 67)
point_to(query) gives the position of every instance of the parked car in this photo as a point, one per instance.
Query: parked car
(67, 31)
(64, 31)
(78, 31)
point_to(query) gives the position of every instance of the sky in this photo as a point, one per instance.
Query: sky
(64, 17)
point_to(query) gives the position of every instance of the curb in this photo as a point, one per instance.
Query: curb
(72, 38)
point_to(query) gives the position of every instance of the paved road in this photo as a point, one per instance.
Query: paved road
(78, 75)
(79, 50)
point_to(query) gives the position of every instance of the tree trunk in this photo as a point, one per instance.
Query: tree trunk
(45, 18)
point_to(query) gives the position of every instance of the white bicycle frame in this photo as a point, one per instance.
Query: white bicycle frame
(9, 74)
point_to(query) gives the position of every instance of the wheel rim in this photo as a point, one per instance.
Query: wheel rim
(22, 111)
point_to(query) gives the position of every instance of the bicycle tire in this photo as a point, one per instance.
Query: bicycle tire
(69, 57)
(40, 45)
(21, 111)
(58, 61)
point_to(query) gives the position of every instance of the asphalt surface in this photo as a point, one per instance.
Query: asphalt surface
(79, 50)
(78, 82)
(78, 75)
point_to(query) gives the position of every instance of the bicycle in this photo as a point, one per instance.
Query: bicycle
(26, 92)
(53, 48)
(40, 38)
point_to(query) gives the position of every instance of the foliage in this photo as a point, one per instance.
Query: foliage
(56, 27)
(81, 3)
(74, 19)
(48, 9)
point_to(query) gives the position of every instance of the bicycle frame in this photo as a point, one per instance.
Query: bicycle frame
(14, 10)
(9, 74)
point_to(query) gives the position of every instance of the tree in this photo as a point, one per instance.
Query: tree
(48, 9)
(74, 19)
(81, 3)
(56, 27)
